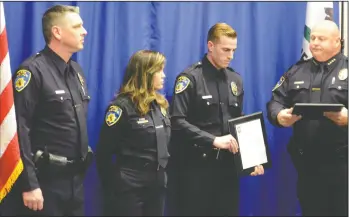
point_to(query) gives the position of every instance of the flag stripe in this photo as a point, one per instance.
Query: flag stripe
(2, 17)
(6, 102)
(5, 77)
(6, 159)
(8, 129)
(3, 45)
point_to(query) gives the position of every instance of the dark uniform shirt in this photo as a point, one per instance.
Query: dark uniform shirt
(314, 82)
(51, 105)
(204, 100)
(138, 142)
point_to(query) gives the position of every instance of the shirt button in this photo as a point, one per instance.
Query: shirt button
(208, 103)
(236, 104)
(204, 154)
(297, 86)
(339, 87)
(61, 98)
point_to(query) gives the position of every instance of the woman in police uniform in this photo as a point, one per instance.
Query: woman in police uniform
(137, 131)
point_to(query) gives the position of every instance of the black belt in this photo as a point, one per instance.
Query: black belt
(47, 163)
(138, 163)
(209, 152)
(54, 159)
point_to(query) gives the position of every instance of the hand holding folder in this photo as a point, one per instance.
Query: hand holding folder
(315, 111)
(340, 118)
(286, 117)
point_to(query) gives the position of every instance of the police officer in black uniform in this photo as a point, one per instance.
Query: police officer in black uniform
(203, 179)
(318, 147)
(51, 101)
(137, 131)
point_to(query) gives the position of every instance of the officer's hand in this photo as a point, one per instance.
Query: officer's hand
(226, 142)
(33, 199)
(286, 118)
(258, 170)
(340, 118)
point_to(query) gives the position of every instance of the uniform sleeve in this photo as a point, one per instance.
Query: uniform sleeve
(107, 146)
(279, 100)
(26, 95)
(182, 100)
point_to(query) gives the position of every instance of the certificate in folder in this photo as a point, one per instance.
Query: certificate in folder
(315, 110)
(249, 131)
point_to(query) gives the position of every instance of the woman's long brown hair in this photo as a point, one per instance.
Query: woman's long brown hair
(138, 80)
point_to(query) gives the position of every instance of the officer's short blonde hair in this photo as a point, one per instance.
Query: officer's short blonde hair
(220, 29)
(51, 16)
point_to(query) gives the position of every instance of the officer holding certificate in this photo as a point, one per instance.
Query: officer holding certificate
(318, 147)
(206, 96)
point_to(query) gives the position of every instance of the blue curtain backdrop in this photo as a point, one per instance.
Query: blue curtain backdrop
(269, 41)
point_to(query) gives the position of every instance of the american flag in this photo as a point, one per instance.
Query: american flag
(11, 164)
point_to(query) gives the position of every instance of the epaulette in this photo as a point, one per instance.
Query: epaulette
(231, 69)
(120, 99)
(197, 64)
(301, 61)
(33, 57)
(29, 61)
(298, 63)
(192, 68)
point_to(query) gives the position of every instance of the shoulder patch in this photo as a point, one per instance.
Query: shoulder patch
(113, 115)
(23, 77)
(282, 79)
(182, 84)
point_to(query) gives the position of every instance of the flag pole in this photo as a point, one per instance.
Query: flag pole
(342, 26)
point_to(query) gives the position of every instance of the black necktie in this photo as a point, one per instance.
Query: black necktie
(161, 139)
(316, 85)
(315, 98)
(73, 86)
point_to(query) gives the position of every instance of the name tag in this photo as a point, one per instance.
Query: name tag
(142, 121)
(207, 97)
(315, 89)
(60, 91)
(299, 82)
(160, 126)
